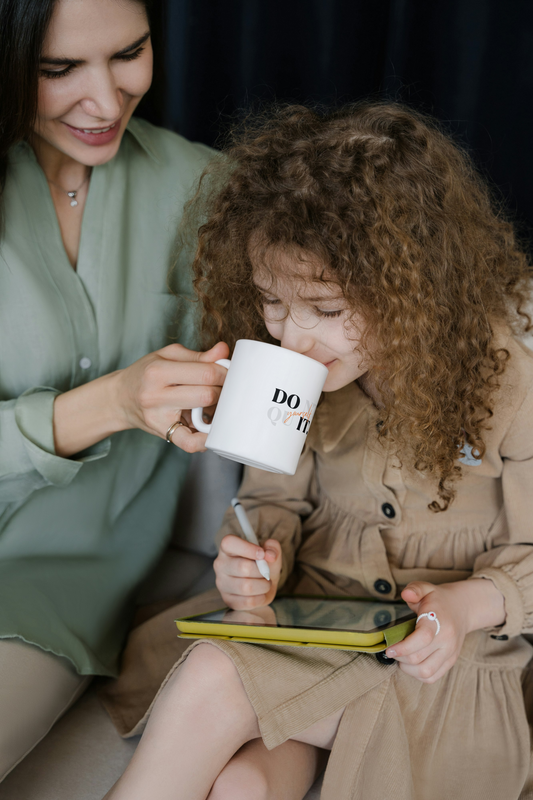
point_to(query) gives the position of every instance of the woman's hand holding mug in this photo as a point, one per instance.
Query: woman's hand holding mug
(238, 578)
(161, 388)
(151, 394)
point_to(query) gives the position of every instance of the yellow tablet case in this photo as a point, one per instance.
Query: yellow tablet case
(373, 642)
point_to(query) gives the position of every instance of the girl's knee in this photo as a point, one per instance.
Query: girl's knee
(208, 679)
(209, 667)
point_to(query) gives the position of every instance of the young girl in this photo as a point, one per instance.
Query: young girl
(365, 239)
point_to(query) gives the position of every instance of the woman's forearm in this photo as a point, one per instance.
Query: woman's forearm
(86, 415)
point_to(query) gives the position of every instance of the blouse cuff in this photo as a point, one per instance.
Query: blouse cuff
(34, 416)
(514, 604)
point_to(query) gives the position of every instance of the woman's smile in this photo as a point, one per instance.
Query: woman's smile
(95, 136)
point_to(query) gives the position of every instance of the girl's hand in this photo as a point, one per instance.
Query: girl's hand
(160, 388)
(264, 615)
(460, 607)
(238, 578)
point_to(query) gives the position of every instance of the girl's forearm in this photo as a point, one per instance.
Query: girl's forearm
(86, 415)
(485, 604)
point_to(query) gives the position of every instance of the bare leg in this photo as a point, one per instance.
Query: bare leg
(323, 732)
(201, 719)
(254, 773)
(36, 688)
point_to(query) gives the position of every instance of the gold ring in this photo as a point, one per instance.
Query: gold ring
(171, 430)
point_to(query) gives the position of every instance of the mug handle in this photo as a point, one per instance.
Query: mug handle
(197, 413)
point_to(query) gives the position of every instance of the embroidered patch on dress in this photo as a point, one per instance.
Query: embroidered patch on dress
(468, 457)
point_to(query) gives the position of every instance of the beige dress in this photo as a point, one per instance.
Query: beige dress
(353, 521)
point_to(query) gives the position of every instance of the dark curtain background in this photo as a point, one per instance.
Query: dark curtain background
(468, 62)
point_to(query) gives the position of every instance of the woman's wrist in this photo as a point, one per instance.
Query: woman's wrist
(88, 414)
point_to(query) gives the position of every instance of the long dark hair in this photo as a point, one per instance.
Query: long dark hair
(23, 26)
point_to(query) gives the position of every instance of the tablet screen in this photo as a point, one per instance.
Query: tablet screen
(361, 616)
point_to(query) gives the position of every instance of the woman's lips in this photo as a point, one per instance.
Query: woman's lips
(95, 136)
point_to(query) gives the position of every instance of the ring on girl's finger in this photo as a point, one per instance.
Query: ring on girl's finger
(172, 429)
(431, 616)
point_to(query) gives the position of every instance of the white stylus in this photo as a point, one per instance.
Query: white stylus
(249, 532)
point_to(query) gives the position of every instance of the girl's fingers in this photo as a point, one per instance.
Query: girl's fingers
(273, 549)
(426, 669)
(422, 637)
(416, 658)
(238, 567)
(237, 601)
(430, 670)
(235, 546)
(243, 587)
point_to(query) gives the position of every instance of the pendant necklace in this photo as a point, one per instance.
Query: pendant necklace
(72, 194)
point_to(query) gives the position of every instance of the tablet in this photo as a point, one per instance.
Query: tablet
(345, 623)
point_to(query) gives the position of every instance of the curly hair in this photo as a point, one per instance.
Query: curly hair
(408, 230)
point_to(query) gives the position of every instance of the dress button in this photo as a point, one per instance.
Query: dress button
(85, 362)
(502, 638)
(381, 586)
(388, 510)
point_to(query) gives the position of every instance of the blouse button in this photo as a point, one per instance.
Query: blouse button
(85, 362)
(388, 510)
(381, 586)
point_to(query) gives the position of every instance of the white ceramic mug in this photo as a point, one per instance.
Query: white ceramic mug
(266, 406)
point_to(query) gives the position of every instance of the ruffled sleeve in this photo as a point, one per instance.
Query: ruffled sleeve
(276, 506)
(509, 564)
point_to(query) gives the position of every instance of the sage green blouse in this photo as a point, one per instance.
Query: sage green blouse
(78, 534)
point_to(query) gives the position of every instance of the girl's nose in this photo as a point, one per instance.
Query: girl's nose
(102, 98)
(295, 337)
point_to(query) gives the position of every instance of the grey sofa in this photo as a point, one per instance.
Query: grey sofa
(83, 755)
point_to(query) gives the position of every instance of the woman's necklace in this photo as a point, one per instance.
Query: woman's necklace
(73, 192)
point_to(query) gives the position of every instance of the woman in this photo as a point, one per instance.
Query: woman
(90, 199)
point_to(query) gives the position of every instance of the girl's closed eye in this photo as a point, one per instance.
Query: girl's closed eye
(269, 300)
(322, 313)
